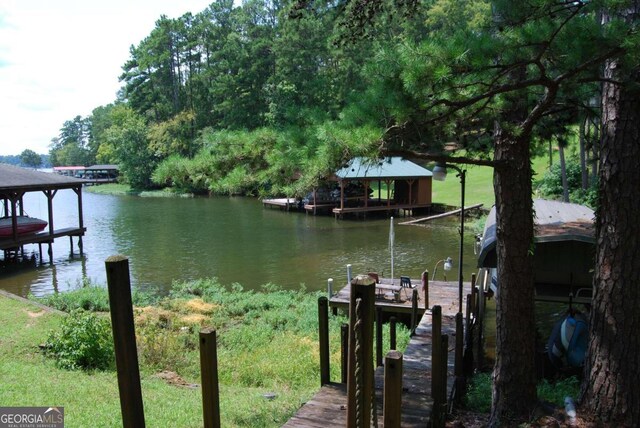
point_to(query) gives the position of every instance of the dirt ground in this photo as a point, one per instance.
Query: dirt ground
(559, 419)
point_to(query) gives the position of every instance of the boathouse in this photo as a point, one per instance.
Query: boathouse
(360, 188)
(15, 182)
(94, 174)
(564, 250)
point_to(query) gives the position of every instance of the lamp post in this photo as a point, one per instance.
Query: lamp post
(448, 263)
(440, 173)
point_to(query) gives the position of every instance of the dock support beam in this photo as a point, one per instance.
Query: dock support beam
(323, 333)
(392, 407)
(360, 381)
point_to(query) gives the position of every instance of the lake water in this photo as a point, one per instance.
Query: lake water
(231, 238)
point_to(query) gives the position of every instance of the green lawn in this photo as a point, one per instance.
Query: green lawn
(479, 185)
(267, 344)
(89, 399)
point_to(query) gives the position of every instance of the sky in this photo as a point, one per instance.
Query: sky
(62, 58)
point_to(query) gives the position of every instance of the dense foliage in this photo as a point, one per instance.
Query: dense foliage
(550, 185)
(84, 341)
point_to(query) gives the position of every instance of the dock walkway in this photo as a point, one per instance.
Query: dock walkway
(328, 408)
(442, 293)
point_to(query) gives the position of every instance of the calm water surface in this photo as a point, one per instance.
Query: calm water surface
(232, 239)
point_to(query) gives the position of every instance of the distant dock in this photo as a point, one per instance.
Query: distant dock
(282, 203)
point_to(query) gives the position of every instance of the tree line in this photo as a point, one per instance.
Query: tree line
(270, 96)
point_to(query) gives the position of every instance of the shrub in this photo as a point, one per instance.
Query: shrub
(556, 392)
(84, 341)
(478, 396)
(90, 297)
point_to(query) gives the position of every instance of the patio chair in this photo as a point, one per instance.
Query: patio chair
(405, 283)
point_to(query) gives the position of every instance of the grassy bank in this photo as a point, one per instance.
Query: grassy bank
(125, 189)
(267, 344)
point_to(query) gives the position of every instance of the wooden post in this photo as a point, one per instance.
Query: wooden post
(124, 339)
(425, 288)
(323, 333)
(468, 341)
(443, 380)
(478, 339)
(436, 356)
(378, 336)
(392, 398)
(458, 368)
(414, 311)
(362, 302)
(344, 354)
(209, 378)
(473, 295)
(392, 333)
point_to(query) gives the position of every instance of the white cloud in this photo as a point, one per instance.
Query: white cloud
(60, 59)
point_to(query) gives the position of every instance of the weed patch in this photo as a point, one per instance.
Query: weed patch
(84, 341)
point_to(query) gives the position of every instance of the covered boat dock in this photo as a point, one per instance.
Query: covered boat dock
(94, 174)
(15, 182)
(564, 238)
(407, 186)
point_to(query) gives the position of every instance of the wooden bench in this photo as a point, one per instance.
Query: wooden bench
(382, 288)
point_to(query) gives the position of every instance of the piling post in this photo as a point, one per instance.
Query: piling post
(474, 295)
(323, 333)
(124, 339)
(344, 352)
(392, 395)
(360, 381)
(458, 368)
(414, 311)
(436, 356)
(425, 288)
(330, 288)
(378, 336)
(349, 274)
(443, 380)
(209, 378)
(392, 333)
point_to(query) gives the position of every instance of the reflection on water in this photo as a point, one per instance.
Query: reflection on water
(233, 239)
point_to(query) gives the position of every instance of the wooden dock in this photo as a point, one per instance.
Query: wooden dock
(442, 293)
(282, 203)
(329, 406)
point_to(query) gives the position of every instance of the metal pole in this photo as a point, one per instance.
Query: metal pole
(462, 174)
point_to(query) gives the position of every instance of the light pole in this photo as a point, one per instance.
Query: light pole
(440, 173)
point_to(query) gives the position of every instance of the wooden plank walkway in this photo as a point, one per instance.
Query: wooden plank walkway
(444, 294)
(328, 408)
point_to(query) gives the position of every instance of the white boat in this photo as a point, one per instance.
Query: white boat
(25, 225)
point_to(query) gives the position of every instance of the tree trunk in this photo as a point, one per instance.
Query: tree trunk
(584, 173)
(612, 372)
(563, 172)
(514, 384)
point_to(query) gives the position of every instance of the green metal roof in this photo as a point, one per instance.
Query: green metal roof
(386, 168)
